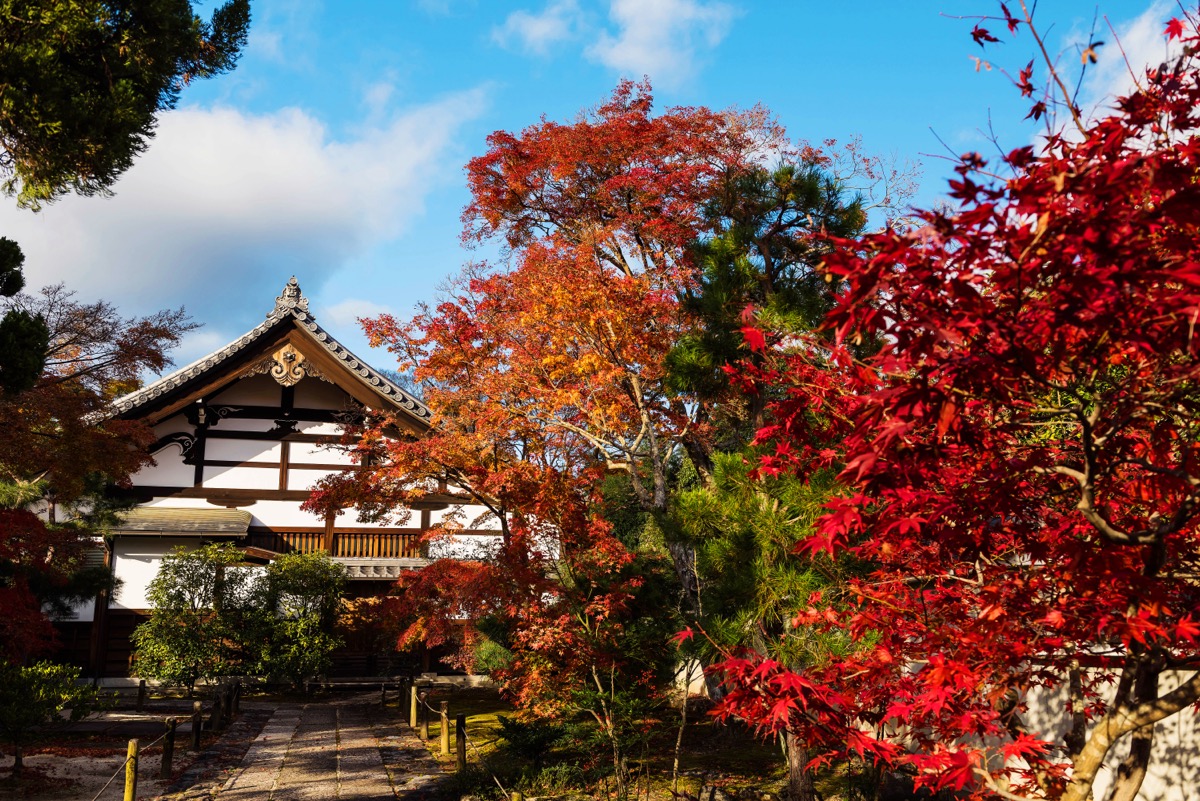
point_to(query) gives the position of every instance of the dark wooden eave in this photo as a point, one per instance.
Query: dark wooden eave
(290, 323)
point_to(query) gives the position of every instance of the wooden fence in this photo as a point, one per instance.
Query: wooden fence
(347, 545)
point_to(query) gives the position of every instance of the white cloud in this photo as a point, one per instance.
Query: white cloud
(537, 33)
(225, 205)
(346, 314)
(665, 39)
(1144, 45)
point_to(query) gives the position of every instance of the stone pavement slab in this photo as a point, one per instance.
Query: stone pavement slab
(342, 751)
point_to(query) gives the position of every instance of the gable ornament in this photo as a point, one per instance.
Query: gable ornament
(287, 366)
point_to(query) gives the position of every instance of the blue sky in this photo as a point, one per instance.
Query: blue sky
(335, 150)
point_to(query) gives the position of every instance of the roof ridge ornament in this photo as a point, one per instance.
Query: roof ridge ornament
(290, 299)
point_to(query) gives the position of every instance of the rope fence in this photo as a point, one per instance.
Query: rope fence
(226, 701)
(134, 750)
(444, 716)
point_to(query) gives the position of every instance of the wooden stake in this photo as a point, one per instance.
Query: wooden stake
(424, 717)
(197, 724)
(460, 739)
(141, 701)
(131, 766)
(445, 728)
(412, 711)
(168, 753)
(214, 722)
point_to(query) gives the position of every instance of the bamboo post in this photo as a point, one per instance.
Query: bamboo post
(131, 766)
(412, 710)
(168, 753)
(141, 701)
(460, 739)
(424, 717)
(445, 732)
(197, 724)
(518, 796)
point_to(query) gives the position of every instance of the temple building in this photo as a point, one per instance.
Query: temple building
(243, 434)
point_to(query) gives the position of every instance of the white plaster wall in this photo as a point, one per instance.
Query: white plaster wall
(468, 547)
(168, 470)
(135, 564)
(323, 429)
(172, 425)
(241, 478)
(258, 390)
(281, 514)
(183, 503)
(318, 453)
(471, 516)
(84, 611)
(305, 479)
(243, 450)
(313, 393)
(1174, 773)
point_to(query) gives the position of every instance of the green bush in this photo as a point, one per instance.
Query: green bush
(301, 594)
(529, 741)
(34, 698)
(204, 607)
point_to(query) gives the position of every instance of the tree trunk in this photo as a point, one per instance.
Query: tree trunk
(18, 761)
(1121, 721)
(800, 784)
(1132, 771)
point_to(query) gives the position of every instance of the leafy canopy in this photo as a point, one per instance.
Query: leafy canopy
(1023, 462)
(81, 84)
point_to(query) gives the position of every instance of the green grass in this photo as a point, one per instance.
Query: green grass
(729, 756)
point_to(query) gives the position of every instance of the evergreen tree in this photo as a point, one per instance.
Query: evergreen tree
(773, 228)
(24, 337)
(81, 84)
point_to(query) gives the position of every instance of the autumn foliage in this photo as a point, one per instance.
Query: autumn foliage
(61, 451)
(1022, 462)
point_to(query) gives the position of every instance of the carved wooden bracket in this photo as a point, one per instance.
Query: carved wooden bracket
(287, 366)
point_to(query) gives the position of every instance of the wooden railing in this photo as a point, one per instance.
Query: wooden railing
(348, 545)
(376, 546)
(287, 541)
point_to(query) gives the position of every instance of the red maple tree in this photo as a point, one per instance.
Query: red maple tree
(1022, 462)
(61, 450)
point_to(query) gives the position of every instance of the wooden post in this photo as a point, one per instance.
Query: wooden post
(412, 710)
(460, 739)
(197, 724)
(227, 703)
(445, 732)
(383, 695)
(237, 698)
(214, 722)
(141, 701)
(424, 716)
(518, 796)
(131, 766)
(168, 753)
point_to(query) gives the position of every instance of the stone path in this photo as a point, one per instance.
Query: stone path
(341, 751)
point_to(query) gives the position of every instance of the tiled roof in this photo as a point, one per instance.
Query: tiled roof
(290, 306)
(170, 520)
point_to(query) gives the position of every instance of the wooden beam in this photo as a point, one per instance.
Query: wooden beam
(330, 519)
(285, 452)
(231, 372)
(146, 492)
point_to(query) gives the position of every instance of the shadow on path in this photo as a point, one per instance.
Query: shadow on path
(348, 750)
